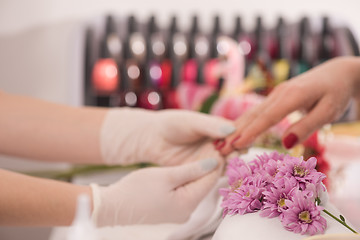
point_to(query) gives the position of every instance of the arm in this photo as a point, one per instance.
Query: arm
(171, 196)
(40, 130)
(29, 201)
(323, 93)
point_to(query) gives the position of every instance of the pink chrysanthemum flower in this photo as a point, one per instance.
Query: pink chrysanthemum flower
(303, 216)
(263, 160)
(237, 171)
(247, 198)
(274, 156)
(275, 196)
(303, 171)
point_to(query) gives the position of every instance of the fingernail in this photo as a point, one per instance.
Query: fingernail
(290, 140)
(221, 144)
(208, 164)
(234, 140)
(227, 130)
(216, 142)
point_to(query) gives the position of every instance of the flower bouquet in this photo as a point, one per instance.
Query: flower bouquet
(286, 189)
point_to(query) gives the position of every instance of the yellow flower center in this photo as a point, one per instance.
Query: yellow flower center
(236, 185)
(247, 194)
(299, 171)
(281, 202)
(276, 171)
(305, 217)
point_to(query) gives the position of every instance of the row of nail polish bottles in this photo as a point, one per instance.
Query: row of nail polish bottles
(144, 66)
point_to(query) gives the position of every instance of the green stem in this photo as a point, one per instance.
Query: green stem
(82, 170)
(337, 219)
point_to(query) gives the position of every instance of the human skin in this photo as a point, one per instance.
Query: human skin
(36, 129)
(322, 93)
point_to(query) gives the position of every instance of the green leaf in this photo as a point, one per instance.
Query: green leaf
(209, 102)
(342, 218)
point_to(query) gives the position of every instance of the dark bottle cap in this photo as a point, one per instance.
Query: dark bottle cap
(132, 24)
(304, 33)
(173, 25)
(110, 28)
(110, 25)
(131, 28)
(151, 29)
(175, 62)
(173, 28)
(238, 29)
(192, 36)
(280, 37)
(259, 32)
(152, 26)
(326, 40)
(214, 35)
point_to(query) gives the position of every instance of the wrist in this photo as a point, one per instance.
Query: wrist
(121, 135)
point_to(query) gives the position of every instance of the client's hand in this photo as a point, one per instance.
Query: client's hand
(323, 93)
(155, 195)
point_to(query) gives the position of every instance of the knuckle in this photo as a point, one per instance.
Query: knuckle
(332, 114)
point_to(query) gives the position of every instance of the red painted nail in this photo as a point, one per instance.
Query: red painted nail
(290, 140)
(216, 142)
(221, 144)
(234, 140)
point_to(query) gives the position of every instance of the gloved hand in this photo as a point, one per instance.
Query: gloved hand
(155, 195)
(167, 137)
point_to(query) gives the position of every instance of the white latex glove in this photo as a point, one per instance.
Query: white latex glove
(168, 137)
(155, 195)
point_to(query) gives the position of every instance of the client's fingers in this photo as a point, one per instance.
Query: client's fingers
(277, 106)
(322, 113)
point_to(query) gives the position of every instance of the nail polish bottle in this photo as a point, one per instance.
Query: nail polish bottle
(150, 97)
(113, 40)
(171, 98)
(281, 65)
(259, 75)
(197, 87)
(214, 44)
(135, 53)
(305, 47)
(190, 67)
(198, 54)
(88, 65)
(242, 37)
(156, 49)
(127, 96)
(105, 74)
(326, 46)
(176, 53)
(179, 47)
(216, 51)
(166, 63)
(238, 31)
